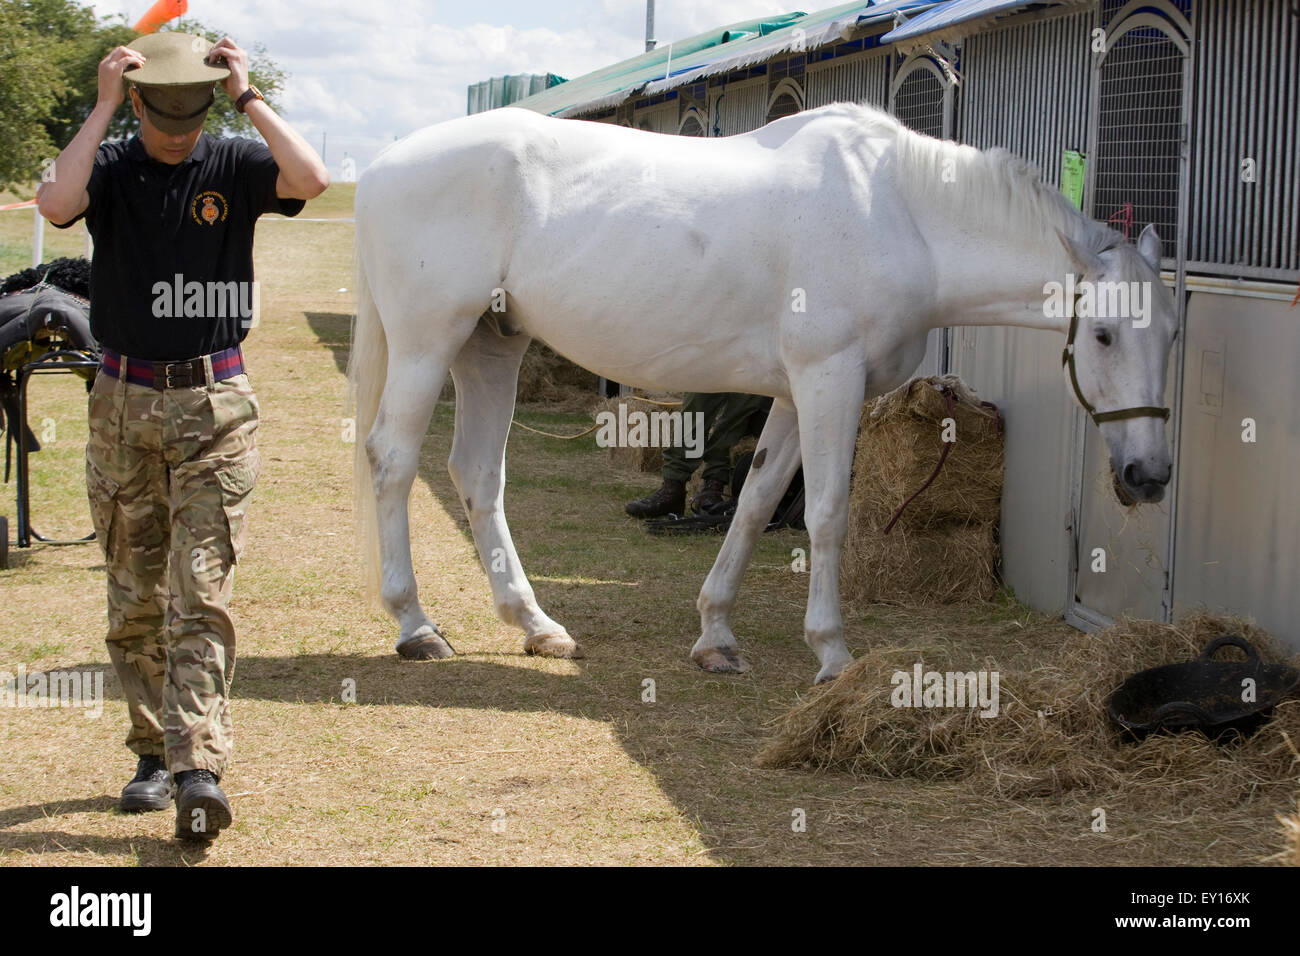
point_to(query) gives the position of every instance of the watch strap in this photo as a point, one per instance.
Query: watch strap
(252, 93)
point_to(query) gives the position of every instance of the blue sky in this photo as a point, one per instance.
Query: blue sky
(364, 73)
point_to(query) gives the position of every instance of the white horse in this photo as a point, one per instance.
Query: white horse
(806, 260)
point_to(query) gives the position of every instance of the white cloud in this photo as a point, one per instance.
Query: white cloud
(366, 73)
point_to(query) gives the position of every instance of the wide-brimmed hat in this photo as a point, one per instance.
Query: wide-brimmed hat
(176, 82)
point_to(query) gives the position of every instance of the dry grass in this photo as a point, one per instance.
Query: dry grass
(581, 768)
(943, 547)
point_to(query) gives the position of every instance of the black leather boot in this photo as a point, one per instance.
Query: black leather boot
(150, 788)
(709, 501)
(670, 498)
(202, 810)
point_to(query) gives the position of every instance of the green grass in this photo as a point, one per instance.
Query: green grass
(16, 227)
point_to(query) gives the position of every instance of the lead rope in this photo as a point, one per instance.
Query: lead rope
(535, 431)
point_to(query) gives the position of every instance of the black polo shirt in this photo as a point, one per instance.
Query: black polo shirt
(172, 273)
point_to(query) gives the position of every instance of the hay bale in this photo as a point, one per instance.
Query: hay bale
(933, 566)
(742, 448)
(546, 377)
(1052, 734)
(643, 459)
(900, 439)
(943, 548)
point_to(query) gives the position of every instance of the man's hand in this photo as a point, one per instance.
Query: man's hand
(226, 53)
(111, 68)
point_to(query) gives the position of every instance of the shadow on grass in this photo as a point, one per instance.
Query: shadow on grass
(149, 848)
(334, 330)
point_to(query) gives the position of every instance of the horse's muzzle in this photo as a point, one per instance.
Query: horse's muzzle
(1138, 483)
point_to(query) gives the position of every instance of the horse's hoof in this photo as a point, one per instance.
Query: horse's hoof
(828, 674)
(721, 660)
(426, 644)
(553, 645)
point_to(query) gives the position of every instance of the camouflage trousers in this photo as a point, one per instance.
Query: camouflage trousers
(169, 476)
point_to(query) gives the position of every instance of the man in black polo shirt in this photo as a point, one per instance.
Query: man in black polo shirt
(171, 460)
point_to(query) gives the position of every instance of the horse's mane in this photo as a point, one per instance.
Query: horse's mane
(70, 275)
(991, 184)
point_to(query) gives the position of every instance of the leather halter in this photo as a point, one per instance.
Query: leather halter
(1067, 359)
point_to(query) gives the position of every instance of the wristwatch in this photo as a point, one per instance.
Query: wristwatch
(252, 93)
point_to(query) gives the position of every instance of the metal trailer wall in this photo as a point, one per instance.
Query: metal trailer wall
(659, 118)
(857, 78)
(1245, 195)
(740, 106)
(1138, 171)
(1236, 546)
(1026, 90)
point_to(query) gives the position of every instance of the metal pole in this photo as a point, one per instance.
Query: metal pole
(38, 237)
(650, 40)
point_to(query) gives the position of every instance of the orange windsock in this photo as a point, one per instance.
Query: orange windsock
(160, 13)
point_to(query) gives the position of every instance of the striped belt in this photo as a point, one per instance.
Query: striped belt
(186, 374)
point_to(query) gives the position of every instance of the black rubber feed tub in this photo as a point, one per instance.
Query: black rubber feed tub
(1203, 695)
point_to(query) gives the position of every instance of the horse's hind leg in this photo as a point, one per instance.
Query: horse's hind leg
(775, 461)
(393, 446)
(486, 374)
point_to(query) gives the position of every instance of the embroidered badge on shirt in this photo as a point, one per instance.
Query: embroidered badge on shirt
(209, 208)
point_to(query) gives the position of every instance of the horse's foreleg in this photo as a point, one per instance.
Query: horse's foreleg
(486, 375)
(393, 447)
(829, 399)
(775, 461)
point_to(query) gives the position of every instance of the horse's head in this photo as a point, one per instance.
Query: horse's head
(1123, 324)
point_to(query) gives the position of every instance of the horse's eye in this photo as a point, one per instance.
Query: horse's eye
(1103, 336)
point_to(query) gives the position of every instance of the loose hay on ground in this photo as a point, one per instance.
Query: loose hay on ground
(1290, 854)
(1052, 734)
(943, 547)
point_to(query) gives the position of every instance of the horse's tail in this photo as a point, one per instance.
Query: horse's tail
(367, 370)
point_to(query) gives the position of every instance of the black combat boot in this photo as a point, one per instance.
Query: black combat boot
(709, 501)
(202, 810)
(150, 788)
(669, 499)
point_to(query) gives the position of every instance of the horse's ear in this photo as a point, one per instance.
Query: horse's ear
(1149, 246)
(1085, 262)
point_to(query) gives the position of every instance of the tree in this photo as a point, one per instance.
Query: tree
(30, 84)
(77, 42)
(262, 73)
(49, 80)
